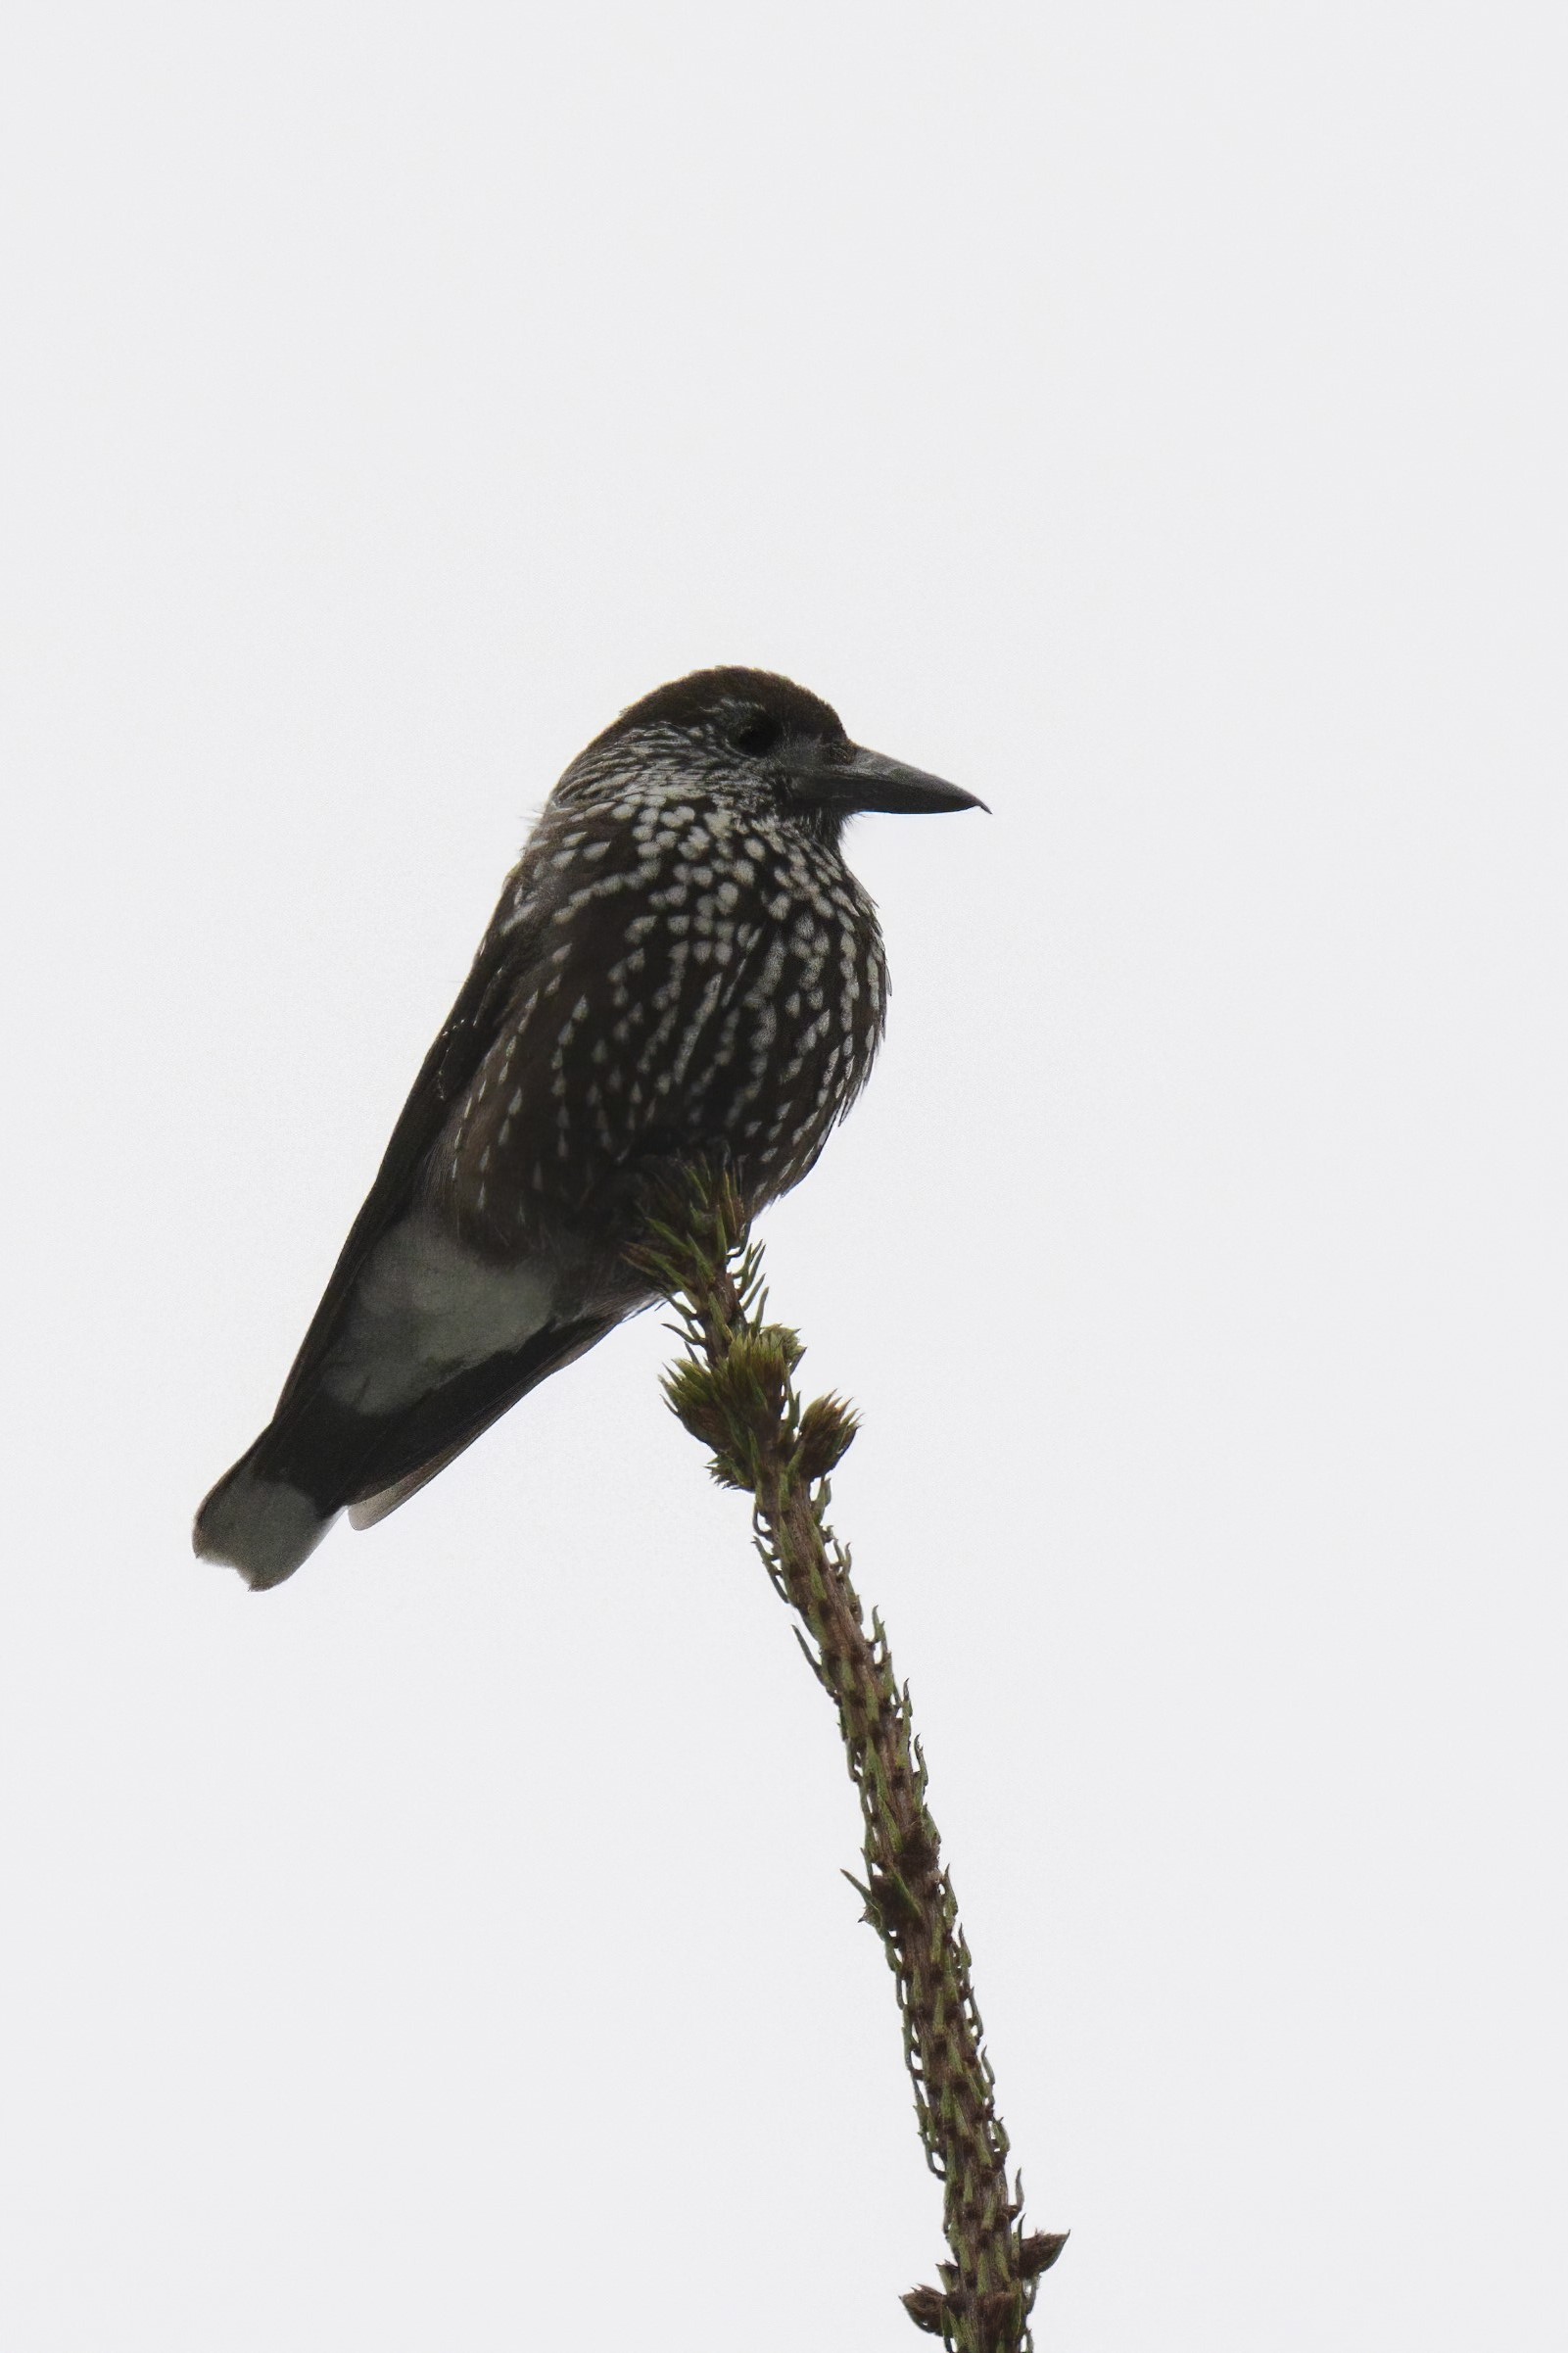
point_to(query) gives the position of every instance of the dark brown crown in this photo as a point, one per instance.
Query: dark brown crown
(688, 702)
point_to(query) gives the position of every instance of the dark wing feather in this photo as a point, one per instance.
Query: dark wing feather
(466, 1037)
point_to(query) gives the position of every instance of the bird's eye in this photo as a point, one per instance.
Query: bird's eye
(757, 733)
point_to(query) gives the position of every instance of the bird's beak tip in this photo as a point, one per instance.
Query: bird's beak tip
(868, 782)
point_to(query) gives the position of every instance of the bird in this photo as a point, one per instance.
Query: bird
(681, 968)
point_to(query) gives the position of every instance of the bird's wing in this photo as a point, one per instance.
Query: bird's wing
(466, 1037)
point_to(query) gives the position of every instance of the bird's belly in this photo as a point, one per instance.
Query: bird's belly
(426, 1307)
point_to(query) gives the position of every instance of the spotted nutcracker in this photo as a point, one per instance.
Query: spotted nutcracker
(681, 966)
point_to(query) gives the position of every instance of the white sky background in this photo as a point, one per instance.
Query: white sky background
(1150, 417)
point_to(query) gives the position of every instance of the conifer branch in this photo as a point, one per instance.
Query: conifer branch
(734, 1388)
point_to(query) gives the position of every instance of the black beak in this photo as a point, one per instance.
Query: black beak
(865, 781)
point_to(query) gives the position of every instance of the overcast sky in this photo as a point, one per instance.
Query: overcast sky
(1150, 417)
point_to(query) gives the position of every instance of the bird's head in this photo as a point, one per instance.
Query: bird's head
(758, 739)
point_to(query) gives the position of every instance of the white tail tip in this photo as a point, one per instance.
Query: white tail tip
(262, 1528)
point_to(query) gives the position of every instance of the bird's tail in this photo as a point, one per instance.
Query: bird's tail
(272, 1509)
(257, 1521)
(318, 1455)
